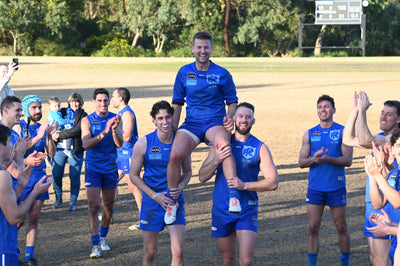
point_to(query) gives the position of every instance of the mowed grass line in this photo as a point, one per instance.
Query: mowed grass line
(265, 65)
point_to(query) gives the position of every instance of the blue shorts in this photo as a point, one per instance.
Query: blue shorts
(28, 189)
(152, 216)
(369, 209)
(226, 226)
(9, 260)
(124, 161)
(103, 180)
(197, 130)
(328, 198)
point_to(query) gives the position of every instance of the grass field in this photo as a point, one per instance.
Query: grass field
(284, 92)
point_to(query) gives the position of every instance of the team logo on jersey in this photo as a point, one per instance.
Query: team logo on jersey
(191, 75)
(316, 133)
(213, 79)
(248, 152)
(155, 149)
(334, 135)
(96, 122)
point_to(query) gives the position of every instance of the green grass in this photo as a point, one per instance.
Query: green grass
(264, 65)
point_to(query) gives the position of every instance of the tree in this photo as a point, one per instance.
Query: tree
(153, 18)
(19, 18)
(269, 25)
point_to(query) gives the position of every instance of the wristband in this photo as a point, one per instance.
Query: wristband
(114, 131)
(180, 187)
(155, 195)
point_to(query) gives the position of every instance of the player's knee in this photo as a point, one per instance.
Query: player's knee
(246, 261)
(341, 228)
(313, 229)
(176, 157)
(150, 254)
(177, 253)
(228, 261)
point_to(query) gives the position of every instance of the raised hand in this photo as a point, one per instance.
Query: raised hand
(373, 167)
(363, 101)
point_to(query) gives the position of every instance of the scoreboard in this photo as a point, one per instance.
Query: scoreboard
(338, 12)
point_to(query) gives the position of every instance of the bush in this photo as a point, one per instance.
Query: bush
(52, 48)
(116, 48)
(181, 52)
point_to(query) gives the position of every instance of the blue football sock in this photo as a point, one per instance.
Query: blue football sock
(312, 259)
(96, 240)
(345, 258)
(29, 252)
(104, 231)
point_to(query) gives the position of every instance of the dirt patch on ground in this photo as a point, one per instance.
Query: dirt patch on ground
(285, 108)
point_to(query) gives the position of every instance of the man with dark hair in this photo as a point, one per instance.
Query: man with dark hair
(324, 153)
(206, 88)
(120, 100)
(384, 187)
(152, 154)
(389, 121)
(101, 136)
(12, 213)
(40, 142)
(251, 156)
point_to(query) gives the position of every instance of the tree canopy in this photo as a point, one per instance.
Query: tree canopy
(165, 27)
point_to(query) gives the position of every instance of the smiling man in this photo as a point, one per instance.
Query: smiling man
(252, 156)
(323, 152)
(206, 88)
(389, 120)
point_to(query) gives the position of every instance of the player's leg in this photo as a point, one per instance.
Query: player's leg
(93, 197)
(379, 246)
(183, 145)
(379, 251)
(177, 235)
(247, 242)
(219, 137)
(339, 217)
(314, 214)
(150, 240)
(32, 228)
(137, 194)
(58, 165)
(227, 248)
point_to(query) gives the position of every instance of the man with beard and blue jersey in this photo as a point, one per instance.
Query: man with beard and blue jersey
(40, 142)
(251, 156)
(357, 122)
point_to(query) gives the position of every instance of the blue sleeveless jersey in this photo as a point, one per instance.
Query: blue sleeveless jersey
(128, 146)
(103, 156)
(37, 171)
(205, 92)
(326, 177)
(155, 163)
(248, 167)
(9, 236)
